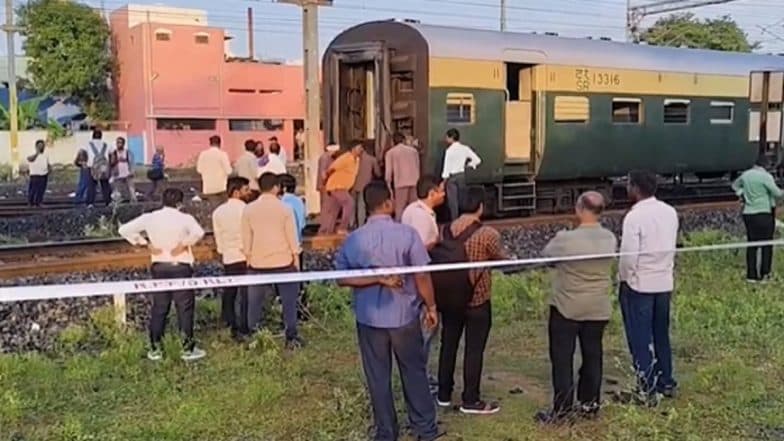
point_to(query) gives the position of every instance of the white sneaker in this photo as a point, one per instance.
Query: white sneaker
(155, 355)
(443, 403)
(194, 354)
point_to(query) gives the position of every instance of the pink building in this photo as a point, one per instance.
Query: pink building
(177, 87)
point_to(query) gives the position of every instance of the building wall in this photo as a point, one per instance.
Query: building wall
(167, 81)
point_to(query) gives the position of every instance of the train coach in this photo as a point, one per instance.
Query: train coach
(549, 116)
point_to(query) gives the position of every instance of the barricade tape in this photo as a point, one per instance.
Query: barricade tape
(75, 290)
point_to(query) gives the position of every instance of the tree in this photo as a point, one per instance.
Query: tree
(68, 44)
(686, 30)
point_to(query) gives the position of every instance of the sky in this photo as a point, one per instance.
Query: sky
(278, 26)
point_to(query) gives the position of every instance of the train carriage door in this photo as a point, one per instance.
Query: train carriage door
(519, 113)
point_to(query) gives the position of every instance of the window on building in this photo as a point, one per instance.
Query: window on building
(255, 125)
(571, 109)
(460, 108)
(676, 111)
(627, 110)
(722, 112)
(242, 90)
(185, 124)
(202, 38)
(163, 34)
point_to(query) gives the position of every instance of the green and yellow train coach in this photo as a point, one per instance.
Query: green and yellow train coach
(549, 116)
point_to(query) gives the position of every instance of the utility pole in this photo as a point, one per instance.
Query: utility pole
(635, 14)
(503, 15)
(313, 142)
(13, 104)
(251, 47)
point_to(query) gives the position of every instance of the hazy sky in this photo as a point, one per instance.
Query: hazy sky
(278, 28)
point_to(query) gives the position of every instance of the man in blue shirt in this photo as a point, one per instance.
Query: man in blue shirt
(388, 311)
(288, 185)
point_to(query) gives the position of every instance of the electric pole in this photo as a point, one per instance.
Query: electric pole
(313, 142)
(503, 15)
(635, 14)
(13, 104)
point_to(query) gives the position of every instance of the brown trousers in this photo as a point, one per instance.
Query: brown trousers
(337, 203)
(403, 197)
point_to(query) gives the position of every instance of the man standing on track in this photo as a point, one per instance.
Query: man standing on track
(39, 169)
(170, 236)
(650, 232)
(227, 230)
(457, 157)
(247, 165)
(341, 176)
(367, 171)
(214, 167)
(121, 161)
(324, 162)
(401, 164)
(759, 192)
(98, 161)
(388, 311)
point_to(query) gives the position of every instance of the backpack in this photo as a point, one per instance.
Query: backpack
(453, 288)
(100, 167)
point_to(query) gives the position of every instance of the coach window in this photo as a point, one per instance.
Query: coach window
(571, 109)
(627, 110)
(722, 112)
(676, 111)
(460, 108)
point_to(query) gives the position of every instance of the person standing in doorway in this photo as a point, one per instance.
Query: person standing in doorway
(214, 167)
(401, 166)
(80, 197)
(39, 169)
(170, 235)
(579, 309)
(482, 243)
(121, 161)
(758, 190)
(100, 170)
(341, 176)
(227, 230)
(324, 162)
(368, 171)
(650, 232)
(456, 158)
(247, 166)
(157, 172)
(269, 240)
(388, 312)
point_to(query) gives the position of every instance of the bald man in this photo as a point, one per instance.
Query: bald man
(579, 309)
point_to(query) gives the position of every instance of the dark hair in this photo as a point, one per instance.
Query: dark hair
(39, 142)
(250, 145)
(454, 134)
(762, 161)
(273, 138)
(120, 138)
(398, 138)
(268, 181)
(425, 185)
(356, 142)
(235, 183)
(644, 181)
(97, 134)
(376, 194)
(172, 197)
(215, 140)
(288, 183)
(471, 199)
(274, 148)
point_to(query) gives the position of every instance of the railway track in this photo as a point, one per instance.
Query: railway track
(91, 255)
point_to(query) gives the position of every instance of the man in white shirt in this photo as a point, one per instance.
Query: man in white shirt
(39, 168)
(121, 161)
(650, 231)
(456, 158)
(247, 165)
(227, 230)
(170, 234)
(214, 167)
(275, 164)
(273, 141)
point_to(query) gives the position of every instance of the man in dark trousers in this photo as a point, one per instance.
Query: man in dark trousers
(579, 309)
(39, 169)
(100, 169)
(388, 311)
(759, 192)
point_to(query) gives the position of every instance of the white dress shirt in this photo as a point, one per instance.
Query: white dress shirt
(456, 158)
(165, 230)
(227, 229)
(40, 166)
(423, 219)
(274, 165)
(214, 167)
(650, 226)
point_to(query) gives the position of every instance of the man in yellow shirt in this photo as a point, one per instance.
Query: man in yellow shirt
(341, 175)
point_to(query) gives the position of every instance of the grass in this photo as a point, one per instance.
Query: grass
(729, 354)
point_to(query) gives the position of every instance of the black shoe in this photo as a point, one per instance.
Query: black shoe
(440, 434)
(240, 337)
(479, 408)
(550, 418)
(589, 411)
(670, 392)
(294, 344)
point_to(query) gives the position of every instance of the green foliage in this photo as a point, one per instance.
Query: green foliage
(68, 46)
(686, 30)
(27, 115)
